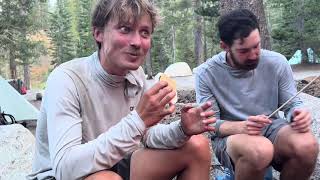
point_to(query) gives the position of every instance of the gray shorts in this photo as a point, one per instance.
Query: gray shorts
(270, 132)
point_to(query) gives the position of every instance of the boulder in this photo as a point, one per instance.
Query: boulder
(16, 150)
(178, 69)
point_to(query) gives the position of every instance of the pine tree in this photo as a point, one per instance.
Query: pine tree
(61, 35)
(86, 44)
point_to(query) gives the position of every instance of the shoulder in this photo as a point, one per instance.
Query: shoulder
(64, 72)
(272, 57)
(210, 64)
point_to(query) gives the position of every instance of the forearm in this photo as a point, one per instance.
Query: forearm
(228, 128)
(73, 160)
(165, 136)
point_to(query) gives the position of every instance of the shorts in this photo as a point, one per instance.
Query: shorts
(270, 132)
(122, 168)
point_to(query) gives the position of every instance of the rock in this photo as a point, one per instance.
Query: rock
(16, 150)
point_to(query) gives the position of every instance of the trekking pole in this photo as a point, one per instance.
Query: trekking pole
(274, 112)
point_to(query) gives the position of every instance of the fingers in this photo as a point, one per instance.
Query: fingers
(169, 110)
(206, 106)
(156, 88)
(165, 96)
(262, 119)
(207, 124)
(301, 121)
(300, 114)
(207, 114)
(254, 124)
(186, 107)
(254, 133)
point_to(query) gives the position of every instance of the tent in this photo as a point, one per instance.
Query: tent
(12, 102)
(296, 58)
(178, 69)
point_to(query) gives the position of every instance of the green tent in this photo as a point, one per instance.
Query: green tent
(12, 102)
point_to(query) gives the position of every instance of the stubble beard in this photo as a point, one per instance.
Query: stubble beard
(244, 66)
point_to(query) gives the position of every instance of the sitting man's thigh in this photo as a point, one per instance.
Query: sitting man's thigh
(166, 164)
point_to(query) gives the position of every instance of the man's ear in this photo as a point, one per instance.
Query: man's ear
(224, 46)
(98, 34)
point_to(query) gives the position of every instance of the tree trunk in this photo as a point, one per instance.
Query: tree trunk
(197, 34)
(148, 65)
(205, 45)
(13, 65)
(173, 43)
(300, 29)
(257, 7)
(26, 74)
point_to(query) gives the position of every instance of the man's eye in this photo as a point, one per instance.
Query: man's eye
(125, 29)
(243, 52)
(145, 33)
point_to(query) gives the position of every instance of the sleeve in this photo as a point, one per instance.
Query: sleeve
(204, 94)
(287, 89)
(70, 158)
(165, 136)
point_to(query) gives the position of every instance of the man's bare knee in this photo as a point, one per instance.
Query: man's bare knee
(103, 175)
(257, 152)
(198, 147)
(261, 155)
(306, 150)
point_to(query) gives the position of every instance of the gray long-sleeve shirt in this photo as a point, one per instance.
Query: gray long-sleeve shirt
(237, 94)
(88, 122)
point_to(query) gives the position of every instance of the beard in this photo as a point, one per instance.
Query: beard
(249, 64)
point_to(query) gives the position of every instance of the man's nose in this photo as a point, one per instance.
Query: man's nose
(254, 53)
(135, 40)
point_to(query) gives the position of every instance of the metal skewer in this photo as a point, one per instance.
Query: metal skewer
(274, 112)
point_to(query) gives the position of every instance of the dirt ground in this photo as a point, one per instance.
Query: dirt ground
(304, 73)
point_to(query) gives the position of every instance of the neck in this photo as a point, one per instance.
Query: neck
(229, 59)
(107, 66)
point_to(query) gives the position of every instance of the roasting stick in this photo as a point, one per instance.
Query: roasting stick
(274, 112)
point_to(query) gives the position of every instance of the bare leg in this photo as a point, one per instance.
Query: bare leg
(103, 175)
(298, 152)
(250, 154)
(192, 161)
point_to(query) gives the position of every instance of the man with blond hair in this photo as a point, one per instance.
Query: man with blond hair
(96, 110)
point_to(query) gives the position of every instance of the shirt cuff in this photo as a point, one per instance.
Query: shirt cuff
(138, 122)
(183, 137)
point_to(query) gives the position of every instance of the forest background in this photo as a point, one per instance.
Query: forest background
(38, 35)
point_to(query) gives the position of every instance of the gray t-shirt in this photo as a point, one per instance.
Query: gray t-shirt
(88, 121)
(237, 94)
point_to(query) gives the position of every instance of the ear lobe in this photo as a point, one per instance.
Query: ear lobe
(224, 46)
(97, 34)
